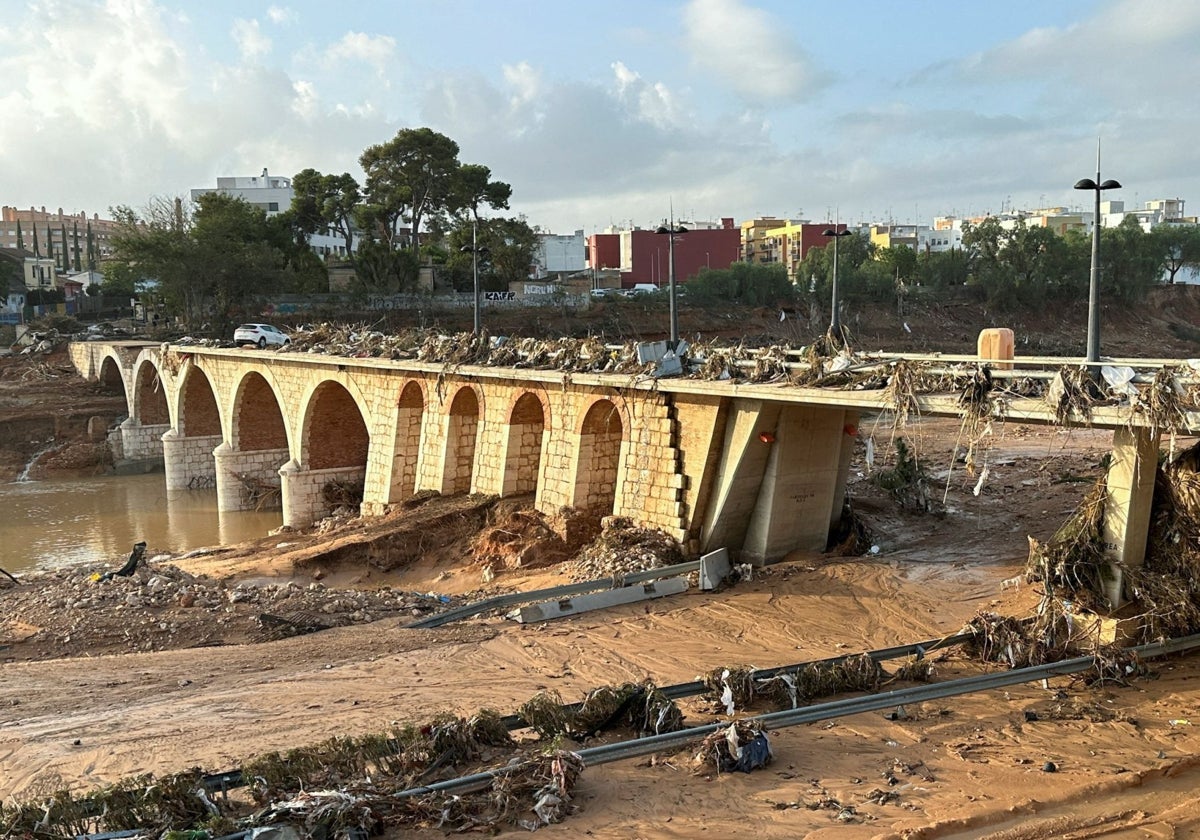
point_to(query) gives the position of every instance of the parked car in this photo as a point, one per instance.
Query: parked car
(260, 334)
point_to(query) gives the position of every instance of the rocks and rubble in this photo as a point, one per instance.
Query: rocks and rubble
(159, 607)
(623, 548)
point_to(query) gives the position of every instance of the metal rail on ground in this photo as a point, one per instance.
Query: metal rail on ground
(824, 711)
(233, 778)
(518, 598)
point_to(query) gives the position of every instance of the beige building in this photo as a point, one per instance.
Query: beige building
(53, 224)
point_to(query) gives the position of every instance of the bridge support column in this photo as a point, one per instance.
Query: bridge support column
(142, 443)
(235, 469)
(1128, 497)
(303, 496)
(803, 485)
(188, 461)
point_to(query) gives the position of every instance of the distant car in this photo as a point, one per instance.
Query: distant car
(260, 334)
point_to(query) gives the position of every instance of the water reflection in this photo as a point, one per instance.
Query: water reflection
(56, 523)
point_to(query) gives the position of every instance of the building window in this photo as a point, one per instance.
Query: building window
(273, 207)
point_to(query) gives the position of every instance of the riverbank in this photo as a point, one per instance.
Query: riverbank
(965, 767)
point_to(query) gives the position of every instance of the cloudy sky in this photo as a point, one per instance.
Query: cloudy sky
(606, 113)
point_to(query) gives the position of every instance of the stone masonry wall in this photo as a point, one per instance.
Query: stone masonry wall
(188, 461)
(257, 465)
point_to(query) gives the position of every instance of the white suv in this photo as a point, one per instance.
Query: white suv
(260, 334)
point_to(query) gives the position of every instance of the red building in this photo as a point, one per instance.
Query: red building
(643, 256)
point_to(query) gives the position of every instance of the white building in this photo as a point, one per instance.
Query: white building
(557, 253)
(273, 194)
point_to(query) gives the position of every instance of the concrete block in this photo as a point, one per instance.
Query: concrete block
(599, 600)
(714, 568)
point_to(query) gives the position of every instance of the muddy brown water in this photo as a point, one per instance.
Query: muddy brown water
(46, 524)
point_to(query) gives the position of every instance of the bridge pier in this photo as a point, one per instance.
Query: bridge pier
(303, 497)
(142, 442)
(781, 479)
(231, 465)
(1128, 498)
(188, 461)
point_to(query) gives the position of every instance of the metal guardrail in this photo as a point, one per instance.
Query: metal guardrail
(515, 599)
(812, 714)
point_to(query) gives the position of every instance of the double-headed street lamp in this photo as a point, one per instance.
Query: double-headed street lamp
(835, 321)
(671, 231)
(1093, 334)
(475, 252)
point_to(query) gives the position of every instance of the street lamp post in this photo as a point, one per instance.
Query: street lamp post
(1093, 334)
(835, 320)
(671, 231)
(475, 252)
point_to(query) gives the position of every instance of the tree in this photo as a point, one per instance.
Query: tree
(742, 282)
(942, 269)
(20, 236)
(511, 243)
(208, 262)
(326, 202)
(75, 234)
(66, 252)
(91, 248)
(1179, 246)
(1131, 261)
(412, 176)
(473, 186)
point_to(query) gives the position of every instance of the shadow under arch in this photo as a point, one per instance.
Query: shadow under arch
(410, 413)
(598, 463)
(462, 431)
(335, 433)
(524, 444)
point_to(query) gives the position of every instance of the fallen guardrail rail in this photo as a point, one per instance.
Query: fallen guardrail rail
(639, 747)
(516, 599)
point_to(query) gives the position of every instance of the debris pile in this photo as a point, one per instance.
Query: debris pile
(741, 746)
(158, 605)
(744, 687)
(1074, 569)
(518, 537)
(637, 706)
(622, 548)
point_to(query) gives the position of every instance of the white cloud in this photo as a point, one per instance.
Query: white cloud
(653, 103)
(524, 80)
(251, 42)
(374, 50)
(749, 50)
(280, 15)
(123, 83)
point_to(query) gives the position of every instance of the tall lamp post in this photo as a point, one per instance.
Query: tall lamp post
(475, 252)
(835, 320)
(1093, 334)
(671, 231)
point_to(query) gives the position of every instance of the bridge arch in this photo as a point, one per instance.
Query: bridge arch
(110, 378)
(150, 406)
(332, 416)
(198, 414)
(256, 421)
(528, 420)
(602, 433)
(410, 412)
(462, 432)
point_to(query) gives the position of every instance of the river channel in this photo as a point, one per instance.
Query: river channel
(47, 524)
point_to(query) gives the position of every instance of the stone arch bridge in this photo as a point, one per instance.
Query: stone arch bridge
(759, 469)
